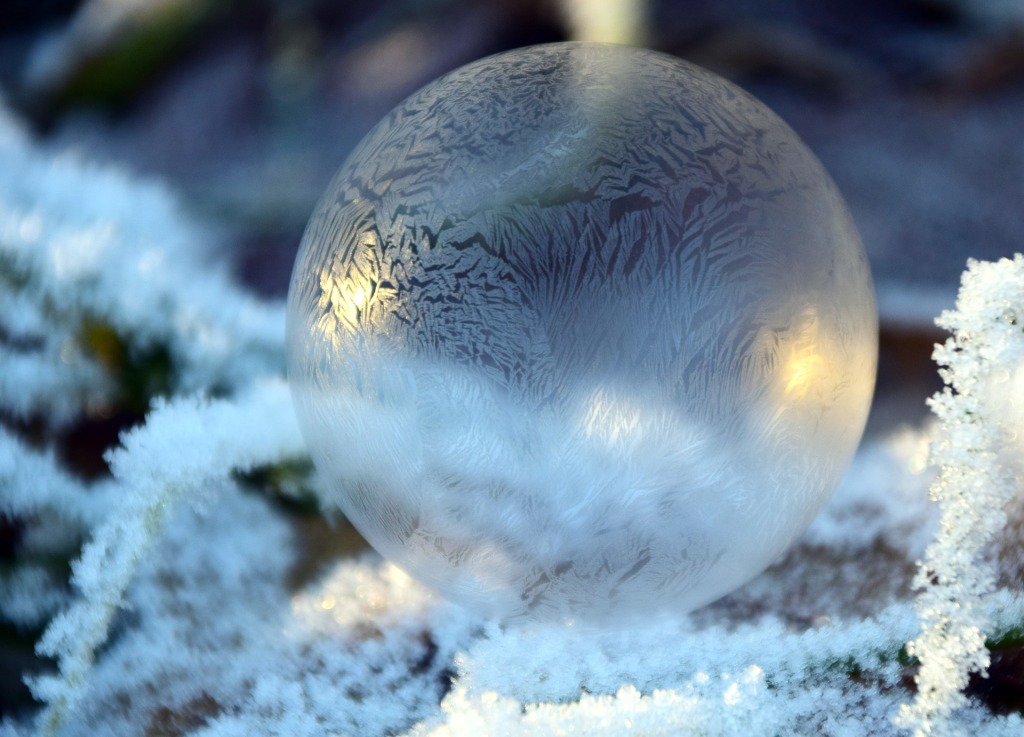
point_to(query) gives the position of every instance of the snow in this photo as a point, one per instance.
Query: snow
(186, 617)
(973, 488)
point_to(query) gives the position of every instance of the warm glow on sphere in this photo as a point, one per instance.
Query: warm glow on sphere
(581, 332)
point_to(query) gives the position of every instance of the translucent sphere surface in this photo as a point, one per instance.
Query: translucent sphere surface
(581, 332)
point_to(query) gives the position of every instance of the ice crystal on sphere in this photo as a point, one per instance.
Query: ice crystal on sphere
(581, 332)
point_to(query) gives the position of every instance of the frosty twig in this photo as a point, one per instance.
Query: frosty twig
(972, 488)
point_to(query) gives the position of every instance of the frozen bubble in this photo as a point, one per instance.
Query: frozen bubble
(581, 332)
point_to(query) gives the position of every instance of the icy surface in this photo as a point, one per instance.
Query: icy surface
(581, 332)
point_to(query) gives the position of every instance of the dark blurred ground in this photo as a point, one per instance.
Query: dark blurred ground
(247, 109)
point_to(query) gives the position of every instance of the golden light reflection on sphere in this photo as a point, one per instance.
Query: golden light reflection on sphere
(581, 332)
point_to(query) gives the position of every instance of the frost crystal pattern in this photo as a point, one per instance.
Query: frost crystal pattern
(581, 332)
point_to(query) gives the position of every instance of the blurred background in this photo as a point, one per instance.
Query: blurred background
(246, 109)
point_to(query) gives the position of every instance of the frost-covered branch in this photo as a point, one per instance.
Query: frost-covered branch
(33, 483)
(185, 448)
(56, 510)
(84, 247)
(97, 272)
(979, 359)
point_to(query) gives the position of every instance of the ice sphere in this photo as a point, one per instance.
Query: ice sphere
(581, 332)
